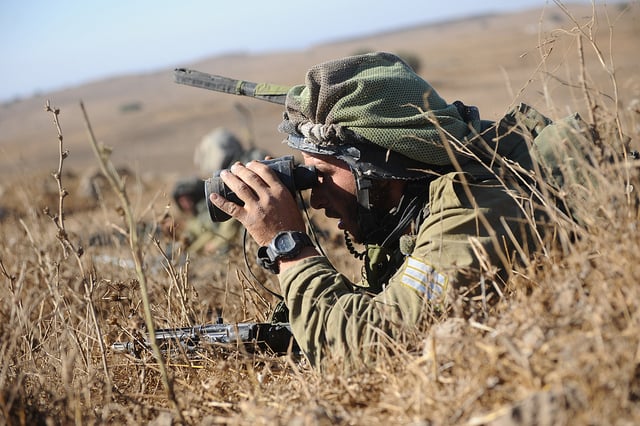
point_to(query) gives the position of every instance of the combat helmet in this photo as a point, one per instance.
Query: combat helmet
(217, 150)
(376, 114)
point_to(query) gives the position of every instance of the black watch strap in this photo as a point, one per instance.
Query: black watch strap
(285, 245)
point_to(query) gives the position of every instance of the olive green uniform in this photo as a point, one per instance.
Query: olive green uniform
(329, 313)
(201, 233)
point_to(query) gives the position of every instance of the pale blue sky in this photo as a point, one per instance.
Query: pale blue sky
(52, 44)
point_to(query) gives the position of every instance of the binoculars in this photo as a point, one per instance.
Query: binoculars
(294, 177)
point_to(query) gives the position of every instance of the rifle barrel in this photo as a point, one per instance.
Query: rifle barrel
(275, 94)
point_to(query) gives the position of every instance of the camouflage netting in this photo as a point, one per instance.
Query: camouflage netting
(377, 98)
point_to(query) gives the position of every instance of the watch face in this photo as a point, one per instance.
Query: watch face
(284, 243)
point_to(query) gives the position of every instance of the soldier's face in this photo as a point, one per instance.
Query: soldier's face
(186, 204)
(335, 192)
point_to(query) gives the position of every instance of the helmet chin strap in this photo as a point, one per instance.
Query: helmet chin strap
(386, 228)
(373, 227)
(366, 218)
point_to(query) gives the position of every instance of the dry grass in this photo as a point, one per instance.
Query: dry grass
(563, 346)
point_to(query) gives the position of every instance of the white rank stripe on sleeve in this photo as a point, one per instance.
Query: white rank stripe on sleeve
(423, 278)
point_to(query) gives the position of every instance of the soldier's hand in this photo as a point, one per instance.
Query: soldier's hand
(268, 208)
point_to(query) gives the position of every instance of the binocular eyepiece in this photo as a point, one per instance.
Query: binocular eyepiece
(294, 177)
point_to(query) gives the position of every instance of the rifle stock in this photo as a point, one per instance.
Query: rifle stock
(254, 337)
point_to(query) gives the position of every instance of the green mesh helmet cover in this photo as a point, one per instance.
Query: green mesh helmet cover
(375, 98)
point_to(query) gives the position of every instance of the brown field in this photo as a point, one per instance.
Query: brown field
(562, 346)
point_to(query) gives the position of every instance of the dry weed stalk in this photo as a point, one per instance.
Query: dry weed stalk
(118, 186)
(587, 31)
(88, 280)
(180, 280)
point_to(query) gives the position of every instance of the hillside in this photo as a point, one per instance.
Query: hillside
(488, 61)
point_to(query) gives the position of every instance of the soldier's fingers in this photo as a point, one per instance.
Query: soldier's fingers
(266, 174)
(242, 182)
(260, 177)
(228, 207)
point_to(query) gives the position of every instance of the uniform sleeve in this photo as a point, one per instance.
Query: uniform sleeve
(329, 314)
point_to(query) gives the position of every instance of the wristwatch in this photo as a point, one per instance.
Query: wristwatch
(285, 245)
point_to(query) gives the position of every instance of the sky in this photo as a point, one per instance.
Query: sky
(49, 45)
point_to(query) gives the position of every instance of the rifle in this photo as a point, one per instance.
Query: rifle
(273, 93)
(253, 337)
